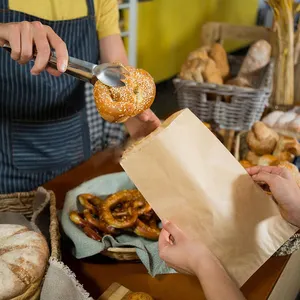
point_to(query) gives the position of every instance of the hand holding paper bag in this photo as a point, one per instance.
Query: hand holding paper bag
(191, 179)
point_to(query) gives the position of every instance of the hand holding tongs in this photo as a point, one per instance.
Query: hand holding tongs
(108, 74)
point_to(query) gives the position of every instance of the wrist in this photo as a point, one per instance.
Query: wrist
(201, 260)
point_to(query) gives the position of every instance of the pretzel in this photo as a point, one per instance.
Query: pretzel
(114, 200)
(77, 219)
(99, 224)
(144, 230)
(149, 231)
(126, 210)
(91, 233)
(142, 206)
(86, 200)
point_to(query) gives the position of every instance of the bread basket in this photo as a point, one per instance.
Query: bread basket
(121, 254)
(206, 100)
(121, 247)
(23, 203)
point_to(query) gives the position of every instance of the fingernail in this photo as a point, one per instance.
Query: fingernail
(164, 221)
(63, 67)
(33, 73)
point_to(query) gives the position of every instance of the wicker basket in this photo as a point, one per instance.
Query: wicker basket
(23, 203)
(246, 107)
(121, 254)
(247, 104)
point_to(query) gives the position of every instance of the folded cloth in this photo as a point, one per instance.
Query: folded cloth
(84, 246)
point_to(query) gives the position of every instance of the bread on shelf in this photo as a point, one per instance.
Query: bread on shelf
(268, 148)
(286, 121)
(261, 139)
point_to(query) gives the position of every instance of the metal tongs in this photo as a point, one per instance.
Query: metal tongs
(109, 74)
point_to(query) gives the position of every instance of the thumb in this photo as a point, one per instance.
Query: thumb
(173, 230)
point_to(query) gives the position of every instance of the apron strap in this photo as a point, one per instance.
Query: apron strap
(91, 8)
(3, 4)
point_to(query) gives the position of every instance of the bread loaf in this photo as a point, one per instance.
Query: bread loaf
(285, 119)
(261, 139)
(267, 160)
(246, 164)
(287, 144)
(200, 53)
(294, 125)
(23, 259)
(211, 73)
(290, 167)
(257, 57)
(219, 55)
(192, 70)
(252, 158)
(239, 81)
(272, 118)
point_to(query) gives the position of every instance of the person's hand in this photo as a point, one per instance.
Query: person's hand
(142, 125)
(179, 251)
(283, 188)
(24, 36)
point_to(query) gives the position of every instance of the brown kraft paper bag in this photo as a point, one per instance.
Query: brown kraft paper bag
(191, 179)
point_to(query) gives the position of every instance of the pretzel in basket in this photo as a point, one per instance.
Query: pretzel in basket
(95, 222)
(125, 210)
(148, 229)
(89, 201)
(90, 232)
(123, 201)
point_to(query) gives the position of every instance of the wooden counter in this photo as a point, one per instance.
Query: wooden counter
(96, 274)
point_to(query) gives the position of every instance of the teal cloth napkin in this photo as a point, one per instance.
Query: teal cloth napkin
(84, 247)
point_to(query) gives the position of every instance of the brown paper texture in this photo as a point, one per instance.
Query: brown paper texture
(190, 178)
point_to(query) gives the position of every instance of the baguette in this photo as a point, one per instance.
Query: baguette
(257, 58)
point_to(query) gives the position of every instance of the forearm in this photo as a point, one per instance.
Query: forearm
(112, 50)
(215, 282)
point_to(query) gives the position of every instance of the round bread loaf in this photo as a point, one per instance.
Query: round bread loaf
(23, 260)
(262, 139)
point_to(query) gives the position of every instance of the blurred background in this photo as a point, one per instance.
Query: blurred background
(159, 34)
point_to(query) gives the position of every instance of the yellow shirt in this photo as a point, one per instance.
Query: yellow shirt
(106, 12)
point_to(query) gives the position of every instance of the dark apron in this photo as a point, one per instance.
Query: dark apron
(43, 124)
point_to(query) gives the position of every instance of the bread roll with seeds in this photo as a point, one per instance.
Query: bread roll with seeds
(118, 104)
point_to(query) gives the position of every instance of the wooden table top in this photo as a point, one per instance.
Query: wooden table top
(98, 273)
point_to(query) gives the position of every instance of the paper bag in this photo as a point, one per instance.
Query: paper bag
(191, 179)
